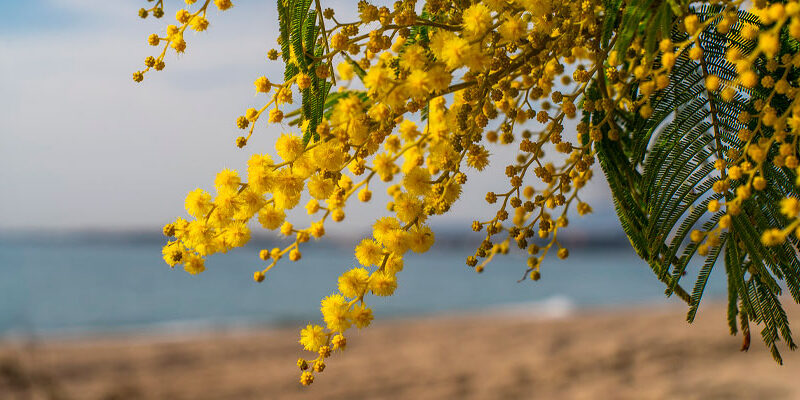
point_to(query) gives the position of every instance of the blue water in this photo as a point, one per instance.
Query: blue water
(48, 288)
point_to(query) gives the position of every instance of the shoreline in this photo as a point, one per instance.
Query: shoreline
(629, 352)
(554, 307)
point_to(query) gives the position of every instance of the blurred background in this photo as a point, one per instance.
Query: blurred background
(93, 164)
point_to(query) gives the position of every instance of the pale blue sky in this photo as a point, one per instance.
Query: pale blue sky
(83, 146)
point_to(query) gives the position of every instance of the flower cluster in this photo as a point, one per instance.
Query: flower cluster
(173, 37)
(477, 75)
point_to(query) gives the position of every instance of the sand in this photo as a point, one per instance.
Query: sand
(636, 353)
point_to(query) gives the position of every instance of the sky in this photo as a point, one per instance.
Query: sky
(82, 146)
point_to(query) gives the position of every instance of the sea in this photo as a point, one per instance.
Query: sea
(74, 284)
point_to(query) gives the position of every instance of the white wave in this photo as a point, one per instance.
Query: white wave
(557, 306)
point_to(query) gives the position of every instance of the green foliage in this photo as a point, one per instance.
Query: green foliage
(301, 47)
(661, 175)
(637, 17)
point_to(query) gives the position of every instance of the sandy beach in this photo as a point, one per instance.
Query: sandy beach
(637, 353)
